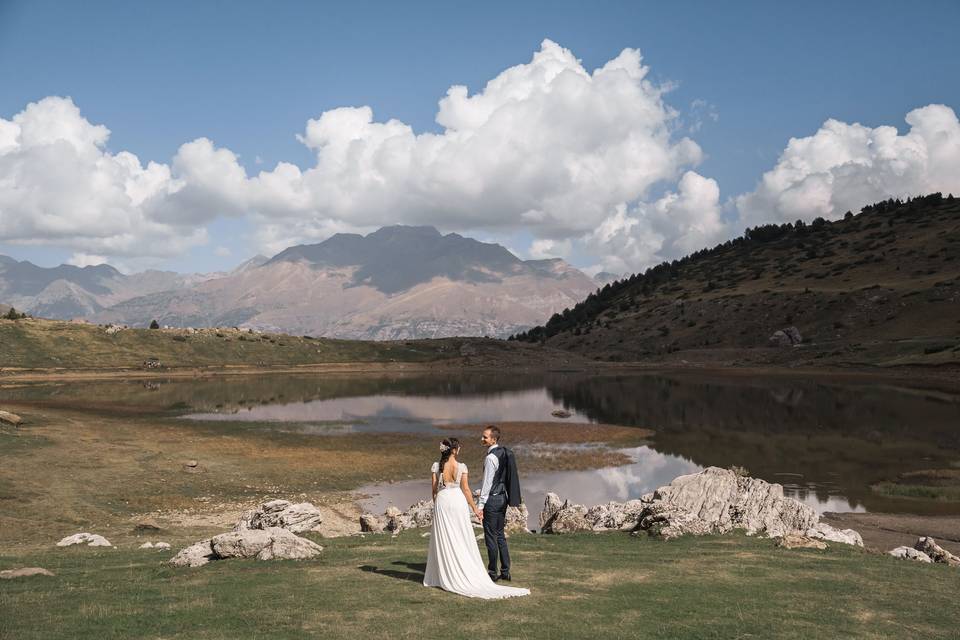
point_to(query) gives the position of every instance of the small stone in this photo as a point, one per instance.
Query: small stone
(147, 545)
(26, 572)
(10, 418)
(560, 413)
(192, 463)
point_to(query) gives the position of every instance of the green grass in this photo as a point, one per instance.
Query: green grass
(49, 343)
(607, 586)
(919, 491)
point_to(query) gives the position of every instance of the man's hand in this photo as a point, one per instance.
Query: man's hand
(479, 513)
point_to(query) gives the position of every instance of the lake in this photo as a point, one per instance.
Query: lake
(825, 441)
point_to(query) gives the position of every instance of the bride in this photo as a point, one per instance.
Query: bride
(453, 561)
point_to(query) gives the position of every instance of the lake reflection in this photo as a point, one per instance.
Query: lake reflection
(827, 441)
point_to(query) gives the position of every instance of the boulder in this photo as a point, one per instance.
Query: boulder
(717, 501)
(298, 518)
(196, 555)
(823, 531)
(909, 553)
(935, 552)
(786, 337)
(564, 517)
(263, 544)
(797, 541)
(551, 505)
(560, 413)
(10, 418)
(26, 572)
(89, 539)
(570, 519)
(370, 523)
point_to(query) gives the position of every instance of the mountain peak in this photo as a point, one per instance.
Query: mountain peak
(398, 257)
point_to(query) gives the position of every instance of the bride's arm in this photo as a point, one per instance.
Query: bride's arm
(433, 486)
(469, 495)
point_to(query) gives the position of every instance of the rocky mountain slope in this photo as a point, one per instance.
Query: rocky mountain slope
(396, 283)
(878, 287)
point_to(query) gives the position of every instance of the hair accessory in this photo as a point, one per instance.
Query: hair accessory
(444, 448)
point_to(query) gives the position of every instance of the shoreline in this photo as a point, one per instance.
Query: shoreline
(945, 377)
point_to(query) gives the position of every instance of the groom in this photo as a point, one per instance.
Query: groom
(501, 488)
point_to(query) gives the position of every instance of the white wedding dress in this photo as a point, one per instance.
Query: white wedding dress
(453, 560)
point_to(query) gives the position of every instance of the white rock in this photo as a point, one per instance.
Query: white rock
(147, 545)
(717, 501)
(89, 539)
(161, 545)
(196, 555)
(909, 553)
(823, 531)
(264, 544)
(298, 518)
(935, 552)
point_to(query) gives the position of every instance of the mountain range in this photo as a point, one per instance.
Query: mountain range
(399, 282)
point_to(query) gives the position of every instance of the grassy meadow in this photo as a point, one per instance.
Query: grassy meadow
(586, 585)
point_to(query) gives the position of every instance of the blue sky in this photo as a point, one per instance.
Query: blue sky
(248, 76)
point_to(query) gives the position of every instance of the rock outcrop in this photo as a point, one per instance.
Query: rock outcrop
(712, 501)
(89, 539)
(26, 572)
(717, 501)
(909, 553)
(298, 518)
(262, 544)
(10, 418)
(935, 552)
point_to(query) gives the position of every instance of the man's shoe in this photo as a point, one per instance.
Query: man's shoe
(493, 576)
(505, 577)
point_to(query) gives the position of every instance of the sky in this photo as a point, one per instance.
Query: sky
(193, 135)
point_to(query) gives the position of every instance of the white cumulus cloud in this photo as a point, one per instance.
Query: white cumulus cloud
(843, 167)
(59, 185)
(674, 225)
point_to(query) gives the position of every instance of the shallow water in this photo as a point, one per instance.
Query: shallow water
(825, 441)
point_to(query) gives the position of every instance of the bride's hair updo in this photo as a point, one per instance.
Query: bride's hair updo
(447, 447)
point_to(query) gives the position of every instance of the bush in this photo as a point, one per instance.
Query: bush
(154, 324)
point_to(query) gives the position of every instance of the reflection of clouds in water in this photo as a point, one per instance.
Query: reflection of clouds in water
(533, 405)
(649, 471)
